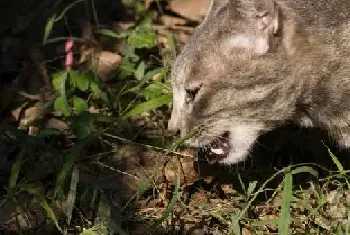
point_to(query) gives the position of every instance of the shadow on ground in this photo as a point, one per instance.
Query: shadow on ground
(285, 146)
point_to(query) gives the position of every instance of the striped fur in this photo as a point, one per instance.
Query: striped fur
(258, 64)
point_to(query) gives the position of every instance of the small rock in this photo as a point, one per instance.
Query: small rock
(56, 124)
(105, 63)
(245, 231)
(194, 10)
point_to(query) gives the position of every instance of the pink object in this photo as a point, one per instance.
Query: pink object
(68, 46)
(69, 54)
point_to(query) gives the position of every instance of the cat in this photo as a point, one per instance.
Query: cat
(254, 65)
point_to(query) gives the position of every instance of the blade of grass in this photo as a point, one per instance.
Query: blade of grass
(242, 183)
(63, 90)
(15, 170)
(235, 228)
(48, 27)
(261, 189)
(43, 203)
(251, 188)
(149, 105)
(284, 220)
(305, 169)
(172, 203)
(340, 167)
(73, 154)
(65, 10)
(110, 33)
(336, 162)
(72, 194)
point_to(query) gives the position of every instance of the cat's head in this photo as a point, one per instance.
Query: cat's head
(225, 73)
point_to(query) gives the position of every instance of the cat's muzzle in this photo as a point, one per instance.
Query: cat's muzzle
(221, 147)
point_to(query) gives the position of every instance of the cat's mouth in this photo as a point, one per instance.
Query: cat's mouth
(221, 147)
(216, 150)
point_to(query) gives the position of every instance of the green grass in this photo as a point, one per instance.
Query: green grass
(109, 173)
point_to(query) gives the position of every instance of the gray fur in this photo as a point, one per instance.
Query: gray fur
(258, 64)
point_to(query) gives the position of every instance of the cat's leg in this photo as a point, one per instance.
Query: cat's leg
(242, 137)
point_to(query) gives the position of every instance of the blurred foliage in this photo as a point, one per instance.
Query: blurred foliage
(141, 87)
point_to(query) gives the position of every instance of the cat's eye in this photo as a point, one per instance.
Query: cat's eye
(191, 94)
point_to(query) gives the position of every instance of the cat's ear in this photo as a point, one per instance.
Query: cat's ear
(266, 13)
(262, 19)
(267, 23)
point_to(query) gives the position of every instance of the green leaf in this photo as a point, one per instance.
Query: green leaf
(149, 105)
(145, 24)
(43, 203)
(142, 187)
(140, 71)
(142, 40)
(287, 195)
(140, 8)
(15, 170)
(80, 80)
(62, 88)
(155, 90)
(82, 125)
(128, 3)
(48, 27)
(59, 82)
(95, 87)
(79, 104)
(130, 54)
(98, 93)
(126, 68)
(62, 106)
(157, 86)
(57, 79)
(72, 194)
(150, 74)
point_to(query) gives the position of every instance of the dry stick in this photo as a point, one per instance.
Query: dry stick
(63, 13)
(113, 169)
(148, 146)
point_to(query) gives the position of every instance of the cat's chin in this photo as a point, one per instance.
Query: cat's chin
(221, 150)
(225, 152)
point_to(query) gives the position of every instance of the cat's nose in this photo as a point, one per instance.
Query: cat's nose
(173, 128)
(175, 132)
